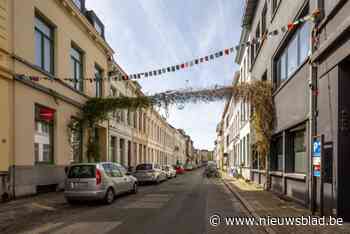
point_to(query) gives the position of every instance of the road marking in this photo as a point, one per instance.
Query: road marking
(44, 228)
(78, 227)
(144, 205)
(37, 205)
(149, 201)
(157, 195)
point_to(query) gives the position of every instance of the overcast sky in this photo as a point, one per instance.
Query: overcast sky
(152, 34)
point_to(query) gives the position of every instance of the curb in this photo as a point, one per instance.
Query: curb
(246, 204)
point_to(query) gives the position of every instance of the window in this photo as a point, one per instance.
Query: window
(98, 80)
(115, 171)
(76, 141)
(44, 45)
(248, 150)
(292, 62)
(299, 152)
(122, 151)
(252, 55)
(264, 20)
(257, 37)
(128, 117)
(140, 153)
(36, 151)
(274, 5)
(282, 69)
(244, 151)
(99, 28)
(293, 56)
(77, 68)
(79, 4)
(43, 136)
(82, 171)
(135, 119)
(140, 120)
(112, 149)
(122, 170)
(304, 37)
(277, 154)
(255, 158)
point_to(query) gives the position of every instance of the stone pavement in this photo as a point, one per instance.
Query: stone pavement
(16, 212)
(262, 203)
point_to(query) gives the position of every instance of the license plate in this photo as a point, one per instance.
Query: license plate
(78, 185)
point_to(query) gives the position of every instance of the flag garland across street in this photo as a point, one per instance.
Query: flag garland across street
(115, 74)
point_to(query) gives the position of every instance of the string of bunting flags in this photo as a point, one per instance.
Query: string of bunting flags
(115, 74)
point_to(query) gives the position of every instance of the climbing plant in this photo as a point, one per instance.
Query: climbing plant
(258, 93)
(97, 110)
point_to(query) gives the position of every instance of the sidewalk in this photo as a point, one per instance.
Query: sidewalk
(262, 203)
(35, 207)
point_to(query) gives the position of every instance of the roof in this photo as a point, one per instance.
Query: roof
(243, 39)
(249, 12)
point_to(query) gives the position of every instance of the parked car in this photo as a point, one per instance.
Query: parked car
(170, 171)
(179, 169)
(97, 181)
(211, 170)
(188, 167)
(148, 172)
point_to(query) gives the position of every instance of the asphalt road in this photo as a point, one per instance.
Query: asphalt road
(180, 205)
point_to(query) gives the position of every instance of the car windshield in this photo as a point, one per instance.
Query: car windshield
(142, 167)
(82, 171)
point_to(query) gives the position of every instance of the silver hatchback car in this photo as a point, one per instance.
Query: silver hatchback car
(97, 181)
(149, 172)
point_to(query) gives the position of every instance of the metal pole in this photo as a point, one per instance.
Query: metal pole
(312, 129)
(322, 178)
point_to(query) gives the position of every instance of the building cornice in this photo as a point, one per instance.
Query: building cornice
(91, 31)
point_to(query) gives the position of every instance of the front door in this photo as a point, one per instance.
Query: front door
(344, 141)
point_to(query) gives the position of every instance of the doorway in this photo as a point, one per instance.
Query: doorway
(343, 142)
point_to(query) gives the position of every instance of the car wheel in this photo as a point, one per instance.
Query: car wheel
(134, 188)
(71, 202)
(109, 198)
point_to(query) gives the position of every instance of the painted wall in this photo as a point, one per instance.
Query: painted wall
(6, 139)
(68, 30)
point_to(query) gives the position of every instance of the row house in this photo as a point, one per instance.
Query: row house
(141, 136)
(242, 114)
(236, 131)
(189, 152)
(309, 69)
(180, 148)
(55, 39)
(219, 147)
(60, 39)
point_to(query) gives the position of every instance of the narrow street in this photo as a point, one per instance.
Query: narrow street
(181, 205)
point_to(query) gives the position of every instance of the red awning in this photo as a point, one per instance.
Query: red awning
(47, 114)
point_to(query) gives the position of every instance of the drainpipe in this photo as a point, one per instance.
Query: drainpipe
(13, 174)
(313, 112)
